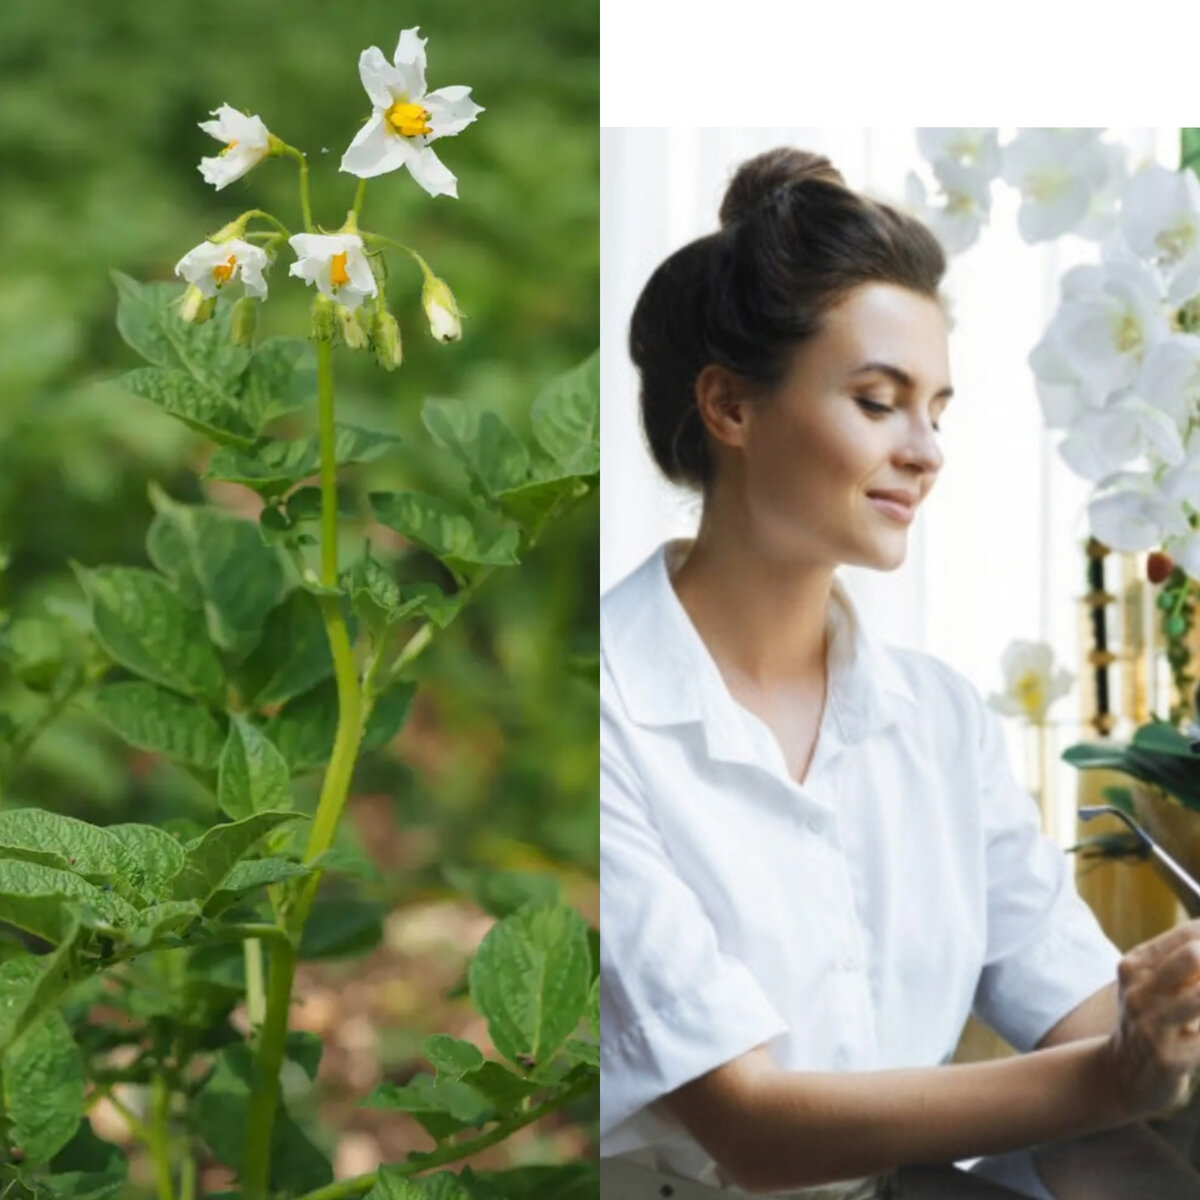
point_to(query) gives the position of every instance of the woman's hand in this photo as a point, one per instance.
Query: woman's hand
(1156, 1044)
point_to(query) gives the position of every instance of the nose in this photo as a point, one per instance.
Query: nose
(921, 451)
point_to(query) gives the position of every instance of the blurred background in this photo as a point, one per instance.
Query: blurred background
(99, 146)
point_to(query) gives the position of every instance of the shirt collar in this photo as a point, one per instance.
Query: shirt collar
(665, 674)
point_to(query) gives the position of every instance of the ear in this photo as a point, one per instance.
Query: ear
(722, 404)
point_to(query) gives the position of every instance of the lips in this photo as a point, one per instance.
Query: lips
(900, 506)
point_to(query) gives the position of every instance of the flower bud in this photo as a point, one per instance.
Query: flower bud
(352, 332)
(196, 307)
(243, 321)
(324, 321)
(385, 337)
(445, 321)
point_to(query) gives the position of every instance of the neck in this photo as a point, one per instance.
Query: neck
(762, 618)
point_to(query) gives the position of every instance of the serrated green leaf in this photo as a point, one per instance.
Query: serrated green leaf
(544, 497)
(490, 452)
(252, 775)
(304, 728)
(154, 719)
(161, 921)
(451, 1057)
(36, 835)
(211, 857)
(29, 984)
(39, 900)
(530, 980)
(42, 1076)
(155, 854)
(380, 601)
(566, 418)
(499, 891)
(239, 578)
(197, 404)
(292, 656)
(145, 626)
(462, 538)
(148, 319)
(502, 1088)
(280, 377)
(423, 1095)
(391, 1186)
(250, 875)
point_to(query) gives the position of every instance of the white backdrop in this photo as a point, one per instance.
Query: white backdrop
(996, 554)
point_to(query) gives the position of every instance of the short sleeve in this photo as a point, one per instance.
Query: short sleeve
(1046, 952)
(673, 1005)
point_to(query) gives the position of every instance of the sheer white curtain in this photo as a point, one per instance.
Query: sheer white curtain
(997, 553)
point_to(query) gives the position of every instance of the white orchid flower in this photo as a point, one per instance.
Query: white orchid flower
(1102, 215)
(1180, 484)
(1063, 395)
(407, 118)
(978, 148)
(1031, 684)
(1127, 513)
(1186, 553)
(957, 221)
(1160, 217)
(1057, 171)
(335, 262)
(1104, 329)
(211, 266)
(1170, 377)
(1102, 441)
(247, 142)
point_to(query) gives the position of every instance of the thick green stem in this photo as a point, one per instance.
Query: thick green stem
(256, 1165)
(329, 512)
(359, 193)
(256, 997)
(161, 1145)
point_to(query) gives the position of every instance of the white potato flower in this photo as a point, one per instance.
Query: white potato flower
(335, 262)
(247, 142)
(407, 118)
(213, 265)
(445, 320)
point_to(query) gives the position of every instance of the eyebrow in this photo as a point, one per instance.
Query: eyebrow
(901, 377)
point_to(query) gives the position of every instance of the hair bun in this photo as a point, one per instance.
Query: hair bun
(762, 176)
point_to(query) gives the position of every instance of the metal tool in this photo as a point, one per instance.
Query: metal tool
(1089, 811)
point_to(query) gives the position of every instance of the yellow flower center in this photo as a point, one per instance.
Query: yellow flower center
(1030, 695)
(337, 270)
(1127, 334)
(227, 149)
(223, 272)
(409, 120)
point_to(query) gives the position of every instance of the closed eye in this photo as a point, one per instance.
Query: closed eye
(875, 409)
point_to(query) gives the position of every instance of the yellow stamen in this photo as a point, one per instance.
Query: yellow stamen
(223, 272)
(1030, 694)
(337, 270)
(409, 120)
(227, 149)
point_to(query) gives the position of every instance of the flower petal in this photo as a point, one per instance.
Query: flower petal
(362, 279)
(430, 172)
(451, 110)
(410, 62)
(379, 78)
(374, 150)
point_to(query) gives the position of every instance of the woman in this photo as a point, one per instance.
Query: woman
(815, 860)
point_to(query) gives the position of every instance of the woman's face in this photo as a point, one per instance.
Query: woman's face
(835, 461)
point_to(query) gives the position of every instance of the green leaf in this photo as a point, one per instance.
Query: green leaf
(161, 921)
(593, 1008)
(155, 719)
(275, 465)
(42, 1075)
(250, 875)
(501, 892)
(566, 418)
(341, 928)
(197, 404)
(530, 980)
(252, 775)
(167, 549)
(292, 656)
(544, 497)
(37, 835)
(280, 378)
(442, 1106)
(490, 452)
(87, 1168)
(304, 728)
(39, 899)
(29, 983)
(148, 319)
(156, 855)
(452, 1057)
(502, 1088)
(211, 857)
(380, 601)
(460, 537)
(304, 1049)
(145, 627)
(570, 1181)
(239, 578)
(577, 1050)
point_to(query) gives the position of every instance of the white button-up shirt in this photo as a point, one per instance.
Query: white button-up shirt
(850, 923)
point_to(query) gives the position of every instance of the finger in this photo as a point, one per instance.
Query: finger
(1148, 953)
(1178, 968)
(1182, 1010)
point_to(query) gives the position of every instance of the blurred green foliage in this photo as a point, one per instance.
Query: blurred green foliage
(99, 147)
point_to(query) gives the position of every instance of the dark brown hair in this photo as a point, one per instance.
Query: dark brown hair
(794, 240)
